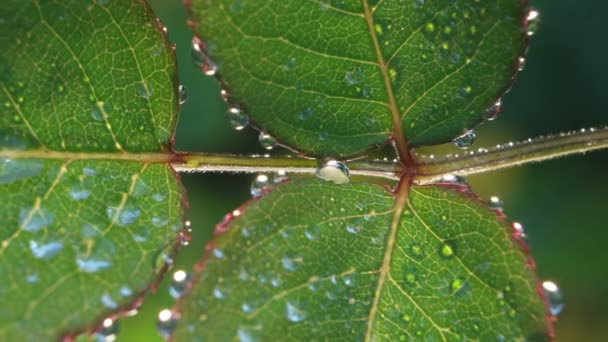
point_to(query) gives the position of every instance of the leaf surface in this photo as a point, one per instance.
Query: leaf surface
(86, 87)
(334, 77)
(315, 261)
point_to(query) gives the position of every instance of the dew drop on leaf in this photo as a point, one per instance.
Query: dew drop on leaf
(166, 323)
(466, 140)
(144, 90)
(201, 58)
(280, 177)
(108, 331)
(237, 119)
(179, 282)
(446, 250)
(183, 94)
(294, 312)
(313, 232)
(45, 250)
(267, 141)
(495, 203)
(493, 111)
(292, 261)
(260, 186)
(518, 228)
(532, 21)
(333, 171)
(554, 297)
(453, 179)
(521, 63)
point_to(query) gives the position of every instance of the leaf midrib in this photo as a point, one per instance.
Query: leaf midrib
(398, 136)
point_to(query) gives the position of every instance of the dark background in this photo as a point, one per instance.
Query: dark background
(561, 203)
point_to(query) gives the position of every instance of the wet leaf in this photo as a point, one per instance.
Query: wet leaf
(313, 260)
(88, 219)
(334, 77)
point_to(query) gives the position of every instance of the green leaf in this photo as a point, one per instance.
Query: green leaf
(334, 77)
(319, 261)
(88, 219)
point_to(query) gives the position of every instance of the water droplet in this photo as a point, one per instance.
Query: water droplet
(333, 171)
(224, 95)
(260, 186)
(108, 301)
(292, 261)
(78, 193)
(294, 312)
(493, 111)
(532, 21)
(125, 291)
(166, 323)
(237, 119)
(90, 265)
(447, 250)
(554, 297)
(466, 140)
(35, 218)
(353, 229)
(521, 63)
(183, 94)
(201, 58)
(144, 90)
(458, 286)
(108, 331)
(453, 179)
(280, 177)
(267, 141)
(519, 229)
(353, 76)
(305, 114)
(313, 232)
(32, 278)
(46, 250)
(495, 203)
(179, 282)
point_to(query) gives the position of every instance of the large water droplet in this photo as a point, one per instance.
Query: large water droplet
(294, 312)
(179, 282)
(108, 331)
(267, 141)
(237, 119)
(333, 171)
(554, 297)
(166, 323)
(466, 140)
(183, 94)
(260, 186)
(45, 250)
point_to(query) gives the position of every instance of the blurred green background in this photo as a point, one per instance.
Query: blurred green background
(561, 203)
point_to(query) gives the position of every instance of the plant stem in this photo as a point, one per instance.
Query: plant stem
(201, 162)
(512, 154)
